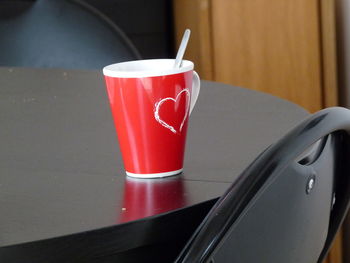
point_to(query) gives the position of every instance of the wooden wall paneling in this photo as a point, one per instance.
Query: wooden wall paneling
(335, 255)
(329, 57)
(286, 48)
(271, 46)
(195, 15)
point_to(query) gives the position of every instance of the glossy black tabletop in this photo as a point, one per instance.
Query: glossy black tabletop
(61, 171)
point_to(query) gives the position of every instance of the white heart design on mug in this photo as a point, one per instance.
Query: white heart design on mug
(159, 104)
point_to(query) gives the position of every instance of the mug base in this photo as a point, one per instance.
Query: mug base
(154, 175)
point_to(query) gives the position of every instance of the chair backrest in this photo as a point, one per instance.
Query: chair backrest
(288, 204)
(61, 34)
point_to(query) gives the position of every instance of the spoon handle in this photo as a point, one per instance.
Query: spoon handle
(182, 48)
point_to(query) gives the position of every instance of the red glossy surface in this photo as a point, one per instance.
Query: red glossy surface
(148, 197)
(151, 116)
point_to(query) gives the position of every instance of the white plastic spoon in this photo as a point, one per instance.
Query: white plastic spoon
(182, 48)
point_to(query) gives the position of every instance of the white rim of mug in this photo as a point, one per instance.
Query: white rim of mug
(114, 70)
(154, 175)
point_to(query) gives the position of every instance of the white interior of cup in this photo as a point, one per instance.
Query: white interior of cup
(146, 68)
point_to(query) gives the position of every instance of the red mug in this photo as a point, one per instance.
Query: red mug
(151, 102)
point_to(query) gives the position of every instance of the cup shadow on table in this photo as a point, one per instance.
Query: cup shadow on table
(149, 197)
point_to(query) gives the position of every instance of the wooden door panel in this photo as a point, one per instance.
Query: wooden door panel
(269, 45)
(286, 48)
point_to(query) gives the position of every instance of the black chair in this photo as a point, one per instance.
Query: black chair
(288, 204)
(60, 34)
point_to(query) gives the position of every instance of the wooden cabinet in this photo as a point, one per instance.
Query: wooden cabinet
(286, 48)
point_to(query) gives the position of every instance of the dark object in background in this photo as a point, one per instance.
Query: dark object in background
(60, 34)
(286, 206)
(148, 24)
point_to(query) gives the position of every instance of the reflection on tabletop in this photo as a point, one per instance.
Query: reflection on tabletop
(148, 197)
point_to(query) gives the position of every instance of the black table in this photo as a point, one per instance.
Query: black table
(63, 192)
